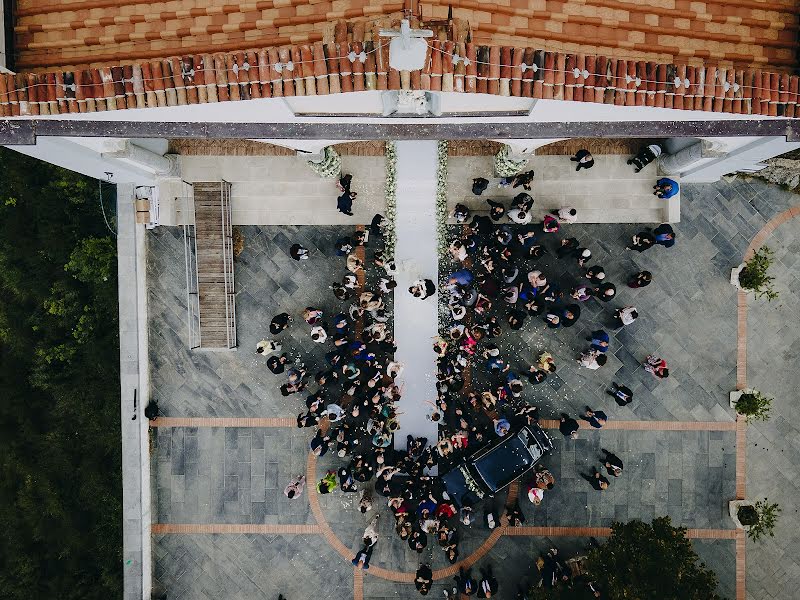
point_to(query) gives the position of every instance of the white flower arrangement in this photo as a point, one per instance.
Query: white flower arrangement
(389, 234)
(441, 226)
(471, 485)
(330, 166)
(505, 166)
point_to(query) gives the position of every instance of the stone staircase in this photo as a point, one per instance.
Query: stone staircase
(609, 192)
(215, 284)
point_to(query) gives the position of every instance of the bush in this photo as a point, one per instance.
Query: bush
(651, 560)
(754, 405)
(766, 519)
(755, 278)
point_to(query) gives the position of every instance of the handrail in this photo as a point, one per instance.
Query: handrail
(192, 275)
(227, 259)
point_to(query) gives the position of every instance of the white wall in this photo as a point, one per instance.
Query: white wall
(344, 103)
(82, 159)
(277, 110)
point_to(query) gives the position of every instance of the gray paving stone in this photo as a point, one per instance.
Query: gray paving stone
(688, 316)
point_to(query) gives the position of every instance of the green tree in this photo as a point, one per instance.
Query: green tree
(643, 561)
(60, 463)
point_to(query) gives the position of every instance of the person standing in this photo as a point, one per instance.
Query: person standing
(596, 479)
(568, 247)
(605, 291)
(344, 204)
(666, 188)
(277, 364)
(595, 418)
(267, 347)
(295, 487)
(496, 209)
(612, 463)
(422, 289)
(566, 215)
(622, 394)
(584, 159)
(370, 537)
(520, 216)
(641, 279)
(479, 185)
(592, 360)
(298, 252)
(625, 316)
(488, 585)
(664, 235)
(599, 340)
(645, 156)
(328, 483)
(596, 274)
(550, 224)
(361, 559)
(568, 426)
(657, 366)
(465, 583)
(423, 579)
(642, 241)
(279, 323)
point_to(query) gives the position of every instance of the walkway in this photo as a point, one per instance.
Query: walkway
(610, 192)
(416, 321)
(283, 190)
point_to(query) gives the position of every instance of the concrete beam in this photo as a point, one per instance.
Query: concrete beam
(25, 131)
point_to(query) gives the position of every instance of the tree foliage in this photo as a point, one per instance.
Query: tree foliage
(651, 561)
(60, 485)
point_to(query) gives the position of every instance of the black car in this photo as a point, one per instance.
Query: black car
(495, 466)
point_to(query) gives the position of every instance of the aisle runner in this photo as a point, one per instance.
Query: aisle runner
(416, 321)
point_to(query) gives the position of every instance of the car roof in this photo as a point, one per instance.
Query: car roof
(511, 458)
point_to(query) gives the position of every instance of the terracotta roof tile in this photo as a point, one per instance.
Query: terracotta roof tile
(332, 66)
(472, 68)
(316, 68)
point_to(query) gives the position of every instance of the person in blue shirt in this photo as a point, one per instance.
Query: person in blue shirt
(599, 340)
(665, 235)
(666, 188)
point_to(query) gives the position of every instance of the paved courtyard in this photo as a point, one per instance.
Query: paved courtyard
(678, 438)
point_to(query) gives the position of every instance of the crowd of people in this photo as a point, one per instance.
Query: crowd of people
(497, 285)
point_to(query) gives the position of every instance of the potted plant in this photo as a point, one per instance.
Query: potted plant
(751, 404)
(752, 276)
(758, 519)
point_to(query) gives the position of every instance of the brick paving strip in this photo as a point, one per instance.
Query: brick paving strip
(652, 425)
(358, 584)
(262, 528)
(223, 422)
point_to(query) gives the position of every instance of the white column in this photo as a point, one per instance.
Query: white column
(416, 321)
(162, 166)
(690, 157)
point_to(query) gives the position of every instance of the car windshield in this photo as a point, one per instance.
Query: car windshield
(505, 463)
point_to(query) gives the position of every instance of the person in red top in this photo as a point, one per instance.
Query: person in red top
(657, 366)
